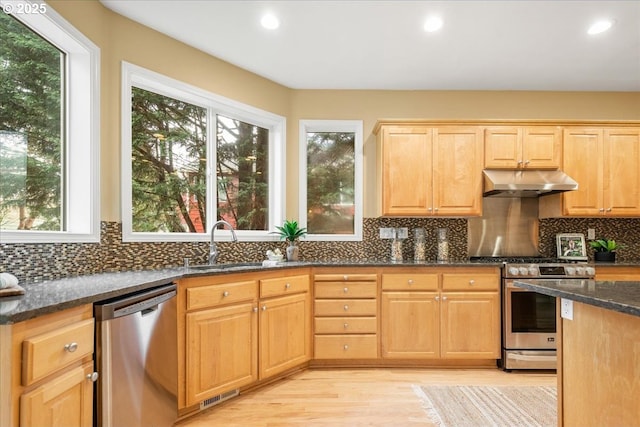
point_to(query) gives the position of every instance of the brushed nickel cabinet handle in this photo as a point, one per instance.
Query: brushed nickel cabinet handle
(71, 347)
(225, 294)
(346, 307)
(93, 377)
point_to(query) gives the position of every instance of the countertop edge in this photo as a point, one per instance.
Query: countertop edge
(591, 300)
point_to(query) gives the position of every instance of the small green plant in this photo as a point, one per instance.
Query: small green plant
(604, 245)
(291, 231)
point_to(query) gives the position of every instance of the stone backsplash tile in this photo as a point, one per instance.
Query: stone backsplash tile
(38, 262)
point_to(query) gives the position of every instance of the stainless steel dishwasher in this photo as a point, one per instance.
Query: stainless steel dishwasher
(137, 359)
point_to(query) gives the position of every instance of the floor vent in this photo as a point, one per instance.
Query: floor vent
(218, 399)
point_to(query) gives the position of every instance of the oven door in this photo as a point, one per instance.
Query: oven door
(529, 319)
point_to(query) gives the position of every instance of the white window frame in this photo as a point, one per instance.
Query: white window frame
(135, 76)
(356, 127)
(81, 218)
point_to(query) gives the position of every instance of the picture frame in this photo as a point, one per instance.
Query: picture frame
(571, 246)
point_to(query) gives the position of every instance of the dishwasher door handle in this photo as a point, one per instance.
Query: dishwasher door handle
(139, 302)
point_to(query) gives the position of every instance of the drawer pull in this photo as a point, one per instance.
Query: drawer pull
(346, 307)
(264, 308)
(444, 298)
(410, 281)
(93, 377)
(345, 277)
(255, 309)
(346, 347)
(71, 347)
(225, 294)
(287, 286)
(472, 282)
(346, 290)
(437, 298)
(346, 325)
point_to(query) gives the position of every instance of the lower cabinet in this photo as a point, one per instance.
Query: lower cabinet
(239, 329)
(446, 314)
(221, 352)
(52, 371)
(345, 315)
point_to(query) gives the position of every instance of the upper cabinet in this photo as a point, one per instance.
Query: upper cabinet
(604, 162)
(427, 171)
(532, 147)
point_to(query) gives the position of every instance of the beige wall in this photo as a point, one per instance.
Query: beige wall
(121, 39)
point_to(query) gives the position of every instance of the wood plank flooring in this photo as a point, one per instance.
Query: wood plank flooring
(350, 397)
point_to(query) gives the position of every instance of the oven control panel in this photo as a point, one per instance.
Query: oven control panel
(550, 271)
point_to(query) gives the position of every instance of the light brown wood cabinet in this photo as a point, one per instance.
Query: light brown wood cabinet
(617, 272)
(604, 163)
(239, 329)
(345, 315)
(529, 147)
(427, 171)
(285, 324)
(446, 314)
(51, 366)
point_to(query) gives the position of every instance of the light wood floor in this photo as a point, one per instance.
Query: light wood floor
(350, 397)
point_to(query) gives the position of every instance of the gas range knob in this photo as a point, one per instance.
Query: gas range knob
(513, 271)
(571, 271)
(533, 271)
(580, 271)
(590, 271)
(523, 271)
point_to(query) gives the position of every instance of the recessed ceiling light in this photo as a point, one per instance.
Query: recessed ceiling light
(433, 23)
(270, 21)
(600, 26)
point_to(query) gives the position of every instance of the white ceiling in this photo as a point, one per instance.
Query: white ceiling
(484, 45)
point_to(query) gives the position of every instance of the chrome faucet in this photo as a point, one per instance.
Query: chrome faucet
(213, 250)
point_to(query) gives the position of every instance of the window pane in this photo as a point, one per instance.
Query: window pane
(330, 182)
(242, 173)
(168, 164)
(31, 117)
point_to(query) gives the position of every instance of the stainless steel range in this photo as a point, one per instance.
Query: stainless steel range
(529, 318)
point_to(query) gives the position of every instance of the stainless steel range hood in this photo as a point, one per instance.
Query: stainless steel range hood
(526, 183)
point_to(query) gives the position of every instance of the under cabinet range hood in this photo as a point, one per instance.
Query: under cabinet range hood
(526, 183)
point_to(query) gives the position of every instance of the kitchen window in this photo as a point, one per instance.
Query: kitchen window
(331, 179)
(49, 130)
(191, 158)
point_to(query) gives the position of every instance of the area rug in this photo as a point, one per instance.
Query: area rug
(482, 406)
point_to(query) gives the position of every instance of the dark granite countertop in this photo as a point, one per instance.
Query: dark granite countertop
(618, 296)
(55, 295)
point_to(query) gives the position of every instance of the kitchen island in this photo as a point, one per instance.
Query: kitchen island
(598, 350)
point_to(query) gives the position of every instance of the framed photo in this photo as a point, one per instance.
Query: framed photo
(571, 246)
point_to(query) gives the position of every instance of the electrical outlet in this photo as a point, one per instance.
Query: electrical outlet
(386, 233)
(566, 308)
(591, 233)
(402, 233)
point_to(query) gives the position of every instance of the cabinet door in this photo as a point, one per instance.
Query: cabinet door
(621, 173)
(222, 348)
(583, 161)
(502, 147)
(285, 333)
(406, 171)
(66, 400)
(410, 325)
(470, 325)
(541, 147)
(457, 171)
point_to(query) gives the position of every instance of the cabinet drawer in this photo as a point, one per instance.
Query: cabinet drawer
(345, 307)
(418, 282)
(283, 286)
(224, 293)
(346, 325)
(470, 282)
(46, 353)
(345, 290)
(346, 277)
(346, 346)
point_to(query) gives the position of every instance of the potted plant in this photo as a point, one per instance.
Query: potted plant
(291, 232)
(605, 249)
